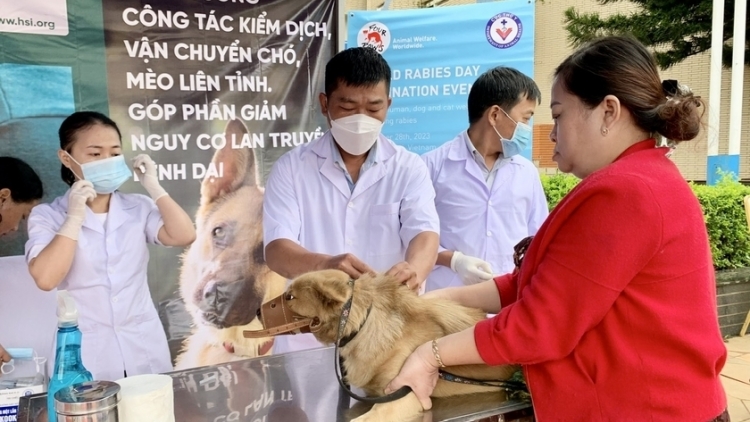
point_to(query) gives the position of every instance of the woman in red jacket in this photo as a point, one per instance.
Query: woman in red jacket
(612, 313)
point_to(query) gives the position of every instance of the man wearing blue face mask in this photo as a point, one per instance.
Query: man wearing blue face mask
(92, 242)
(488, 196)
(351, 199)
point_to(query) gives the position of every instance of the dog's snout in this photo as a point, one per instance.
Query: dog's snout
(227, 303)
(214, 295)
(218, 298)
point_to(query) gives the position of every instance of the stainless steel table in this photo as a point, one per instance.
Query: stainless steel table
(295, 387)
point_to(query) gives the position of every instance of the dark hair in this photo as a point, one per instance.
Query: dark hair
(24, 184)
(359, 66)
(623, 67)
(501, 86)
(76, 122)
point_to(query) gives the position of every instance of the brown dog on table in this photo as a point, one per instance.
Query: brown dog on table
(385, 324)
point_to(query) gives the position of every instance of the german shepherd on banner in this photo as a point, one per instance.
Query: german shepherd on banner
(224, 276)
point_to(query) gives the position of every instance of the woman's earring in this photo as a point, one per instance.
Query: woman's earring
(605, 131)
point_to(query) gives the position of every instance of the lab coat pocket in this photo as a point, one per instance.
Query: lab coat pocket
(84, 241)
(154, 350)
(90, 244)
(514, 210)
(385, 226)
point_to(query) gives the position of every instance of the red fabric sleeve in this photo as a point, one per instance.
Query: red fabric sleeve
(507, 285)
(595, 246)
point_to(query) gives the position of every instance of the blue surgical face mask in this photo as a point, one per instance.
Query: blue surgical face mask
(106, 175)
(19, 354)
(519, 141)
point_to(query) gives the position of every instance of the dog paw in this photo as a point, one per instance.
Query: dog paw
(367, 417)
(374, 417)
(406, 408)
(391, 412)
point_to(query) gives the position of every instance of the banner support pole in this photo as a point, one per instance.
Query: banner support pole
(341, 25)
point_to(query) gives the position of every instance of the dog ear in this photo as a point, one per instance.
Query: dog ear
(331, 293)
(236, 167)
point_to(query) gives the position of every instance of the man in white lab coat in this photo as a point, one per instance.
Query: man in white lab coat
(488, 196)
(351, 199)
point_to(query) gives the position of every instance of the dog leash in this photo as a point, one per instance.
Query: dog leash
(339, 361)
(505, 385)
(519, 251)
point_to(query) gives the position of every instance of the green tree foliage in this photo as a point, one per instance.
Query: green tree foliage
(676, 29)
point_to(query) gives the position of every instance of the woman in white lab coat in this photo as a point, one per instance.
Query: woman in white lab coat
(92, 241)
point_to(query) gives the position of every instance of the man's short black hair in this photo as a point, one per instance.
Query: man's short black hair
(359, 66)
(501, 86)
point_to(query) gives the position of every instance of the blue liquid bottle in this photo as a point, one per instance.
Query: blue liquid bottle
(69, 367)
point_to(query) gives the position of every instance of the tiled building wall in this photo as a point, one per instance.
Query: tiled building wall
(552, 46)
(543, 148)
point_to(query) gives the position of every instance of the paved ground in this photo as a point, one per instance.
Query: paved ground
(736, 378)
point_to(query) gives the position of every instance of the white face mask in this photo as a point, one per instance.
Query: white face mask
(357, 133)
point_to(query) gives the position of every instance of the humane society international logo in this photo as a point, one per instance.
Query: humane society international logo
(41, 17)
(504, 30)
(374, 35)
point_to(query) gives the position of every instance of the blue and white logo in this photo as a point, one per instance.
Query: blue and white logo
(504, 30)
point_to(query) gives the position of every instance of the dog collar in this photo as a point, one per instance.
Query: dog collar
(344, 341)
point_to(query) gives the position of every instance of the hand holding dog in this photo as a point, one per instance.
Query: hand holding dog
(404, 274)
(145, 168)
(347, 263)
(420, 372)
(471, 270)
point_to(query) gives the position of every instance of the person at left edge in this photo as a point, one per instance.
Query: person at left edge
(92, 241)
(351, 199)
(20, 190)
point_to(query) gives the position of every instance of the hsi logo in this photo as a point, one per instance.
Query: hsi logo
(374, 35)
(41, 17)
(504, 30)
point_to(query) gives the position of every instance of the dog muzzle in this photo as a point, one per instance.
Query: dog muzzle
(277, 318)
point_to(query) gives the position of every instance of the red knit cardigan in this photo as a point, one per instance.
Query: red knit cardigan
(613, 312)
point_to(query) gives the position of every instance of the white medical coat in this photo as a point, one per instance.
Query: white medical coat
(481, 221)
(308, 201)
(116, 315)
